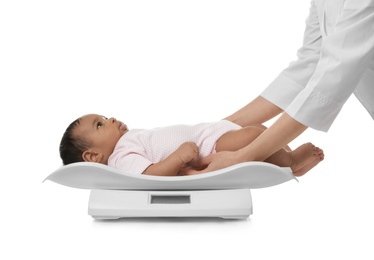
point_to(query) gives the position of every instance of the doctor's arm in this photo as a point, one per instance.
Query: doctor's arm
(345, 54)
(289, 82)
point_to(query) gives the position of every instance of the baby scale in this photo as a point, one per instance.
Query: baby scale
(223, 193)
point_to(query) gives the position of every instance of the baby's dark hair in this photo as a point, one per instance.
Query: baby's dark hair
(72, 146)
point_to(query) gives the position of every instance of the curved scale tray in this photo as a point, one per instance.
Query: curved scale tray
(86, 175)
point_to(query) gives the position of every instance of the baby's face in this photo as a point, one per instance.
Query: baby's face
(102, 133)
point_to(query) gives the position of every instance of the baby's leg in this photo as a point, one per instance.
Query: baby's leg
(301, 160)
(235, 140)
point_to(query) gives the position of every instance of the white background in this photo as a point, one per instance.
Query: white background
(156, 63)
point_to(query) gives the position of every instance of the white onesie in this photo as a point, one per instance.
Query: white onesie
(139, 148)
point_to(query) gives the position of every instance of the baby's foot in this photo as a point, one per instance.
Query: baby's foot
(303, 156)
(318, 158)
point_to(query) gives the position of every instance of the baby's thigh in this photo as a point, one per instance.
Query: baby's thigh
(237, 139)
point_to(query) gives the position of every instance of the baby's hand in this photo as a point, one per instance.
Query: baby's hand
(187, 152)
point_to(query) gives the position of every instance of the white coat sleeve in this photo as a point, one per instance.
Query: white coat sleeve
(291, 81)
(345, 54)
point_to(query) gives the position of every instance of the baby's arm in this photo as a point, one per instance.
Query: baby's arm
(174, 162)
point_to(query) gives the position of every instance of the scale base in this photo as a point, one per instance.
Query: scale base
(115, 204)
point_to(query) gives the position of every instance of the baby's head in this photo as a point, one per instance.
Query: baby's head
(91, 138)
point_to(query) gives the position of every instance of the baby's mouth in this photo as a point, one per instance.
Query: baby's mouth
(122, 126)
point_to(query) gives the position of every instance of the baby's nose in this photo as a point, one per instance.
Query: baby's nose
(112, 120)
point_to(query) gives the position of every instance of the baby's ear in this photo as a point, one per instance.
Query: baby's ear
(91, 156)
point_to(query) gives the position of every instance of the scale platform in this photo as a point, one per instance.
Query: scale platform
(115, 204)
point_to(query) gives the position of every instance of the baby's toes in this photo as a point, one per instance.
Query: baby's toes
(319, 154)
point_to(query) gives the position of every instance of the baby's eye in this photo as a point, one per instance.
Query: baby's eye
(99, 124)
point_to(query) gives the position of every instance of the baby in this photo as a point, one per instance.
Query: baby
(168, 151)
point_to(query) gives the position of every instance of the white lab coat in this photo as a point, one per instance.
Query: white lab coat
(336, 60)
